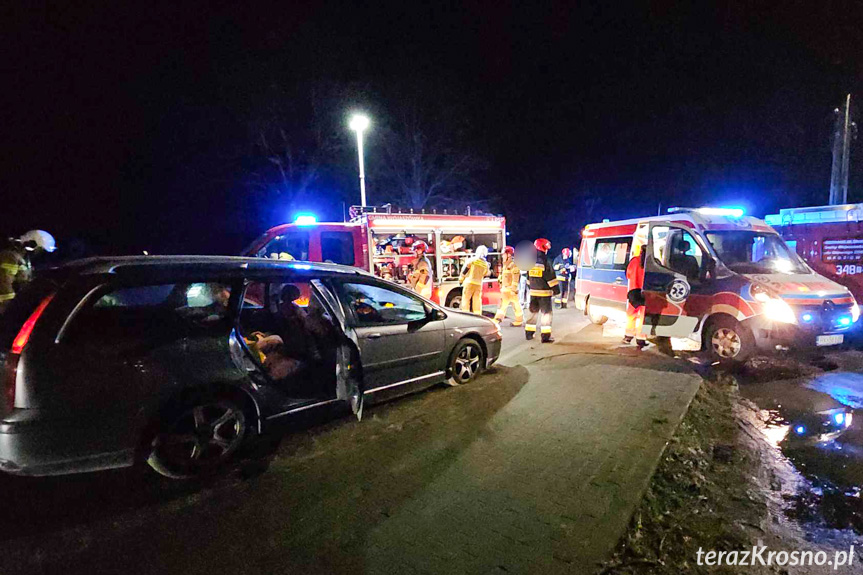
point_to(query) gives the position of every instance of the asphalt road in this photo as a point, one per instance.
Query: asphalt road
(535, 467)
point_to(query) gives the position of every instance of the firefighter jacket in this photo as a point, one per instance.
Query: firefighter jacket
(509, 276)
(474, 271)
(14, 269)
(542, 279)
(422, 277)
(562, 267)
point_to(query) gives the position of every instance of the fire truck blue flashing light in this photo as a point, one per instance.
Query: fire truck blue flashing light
(839, 418)
(800, 430)
(305, 220)
(845, 320)
(806, 317)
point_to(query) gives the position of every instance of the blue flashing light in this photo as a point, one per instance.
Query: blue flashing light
(305, 220)
(845, 320)
(800, 430)
(839, 418)
(806, 317)
(734, 211)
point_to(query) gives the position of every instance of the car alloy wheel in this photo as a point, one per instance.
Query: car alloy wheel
(202, 438)
(726, 343)
(466, 362)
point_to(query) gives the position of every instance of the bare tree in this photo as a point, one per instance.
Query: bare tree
(291, 141)
(427, 162)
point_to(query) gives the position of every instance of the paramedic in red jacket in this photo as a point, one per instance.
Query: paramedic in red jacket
(635, 281)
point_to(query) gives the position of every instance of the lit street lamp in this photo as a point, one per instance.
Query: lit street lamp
(360, 123)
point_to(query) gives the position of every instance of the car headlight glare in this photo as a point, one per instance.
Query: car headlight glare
(778, 310)
(855, 312)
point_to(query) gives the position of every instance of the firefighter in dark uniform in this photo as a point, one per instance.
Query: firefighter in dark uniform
(543, 286)
(562, 266)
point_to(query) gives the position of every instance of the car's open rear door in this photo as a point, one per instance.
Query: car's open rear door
(665, 290)
(349, 381)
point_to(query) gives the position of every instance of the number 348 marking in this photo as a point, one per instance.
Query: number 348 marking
(849, 270)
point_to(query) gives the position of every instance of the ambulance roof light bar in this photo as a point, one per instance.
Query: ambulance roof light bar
(707, 211)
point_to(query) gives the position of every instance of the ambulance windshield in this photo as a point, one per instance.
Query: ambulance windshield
(749, 252)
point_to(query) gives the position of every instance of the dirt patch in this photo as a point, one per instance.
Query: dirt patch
(720, 486)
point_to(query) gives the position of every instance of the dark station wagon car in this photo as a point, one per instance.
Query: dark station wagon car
(185, 361)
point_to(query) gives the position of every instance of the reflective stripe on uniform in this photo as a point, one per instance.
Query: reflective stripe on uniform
(541, 292)
(11, 268)
(529, 327)
(6, 296)
(546, 329)
(552, 283)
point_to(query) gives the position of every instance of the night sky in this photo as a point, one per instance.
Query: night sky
(123, 123)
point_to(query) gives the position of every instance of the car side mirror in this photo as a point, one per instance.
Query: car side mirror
(709, 271)
(435, 314)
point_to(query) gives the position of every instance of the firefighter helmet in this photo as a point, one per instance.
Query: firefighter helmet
(542, 245)
(35, 239)
(566, 253)
(481, 252)
(509, 250)
(420, 245)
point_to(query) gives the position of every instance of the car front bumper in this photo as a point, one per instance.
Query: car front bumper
(771, 335)
(493, 350)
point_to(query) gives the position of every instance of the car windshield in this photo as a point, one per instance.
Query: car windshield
(751, 252)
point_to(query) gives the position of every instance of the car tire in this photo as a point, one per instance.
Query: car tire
(466, 361)
(199, 438)
(728, 342)
(596, 319)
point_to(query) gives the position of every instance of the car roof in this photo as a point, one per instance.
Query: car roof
(201, 265)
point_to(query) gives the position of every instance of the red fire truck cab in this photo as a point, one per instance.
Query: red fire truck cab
(380, 241)
(829, 238)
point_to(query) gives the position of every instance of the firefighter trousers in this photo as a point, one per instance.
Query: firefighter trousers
(471, 298)
(508, 297)
(540, 313)
(560, 299)
(634, 322)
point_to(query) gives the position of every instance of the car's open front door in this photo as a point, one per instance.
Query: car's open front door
(349, 381)
(672, 267)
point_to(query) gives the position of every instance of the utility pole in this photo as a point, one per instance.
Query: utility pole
(842, 137)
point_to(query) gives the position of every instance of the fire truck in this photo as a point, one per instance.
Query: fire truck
(380, 240)
(829, 238)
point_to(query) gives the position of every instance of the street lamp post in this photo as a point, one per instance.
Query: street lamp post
(359, 123)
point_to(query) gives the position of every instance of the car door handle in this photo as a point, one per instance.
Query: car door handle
(373, 336)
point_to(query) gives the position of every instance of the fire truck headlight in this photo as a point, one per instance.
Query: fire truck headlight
(776, 309)
(855, 312)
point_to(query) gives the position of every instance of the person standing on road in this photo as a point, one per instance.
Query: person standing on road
(562, 265)
(635, 297)
(509, 278)
(15, 262)
(421, 278)
(474, 271)
(543, 286)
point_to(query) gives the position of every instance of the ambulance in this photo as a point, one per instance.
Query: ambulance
(715, 279)
(380, 241)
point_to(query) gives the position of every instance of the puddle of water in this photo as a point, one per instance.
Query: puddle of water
(806, 415)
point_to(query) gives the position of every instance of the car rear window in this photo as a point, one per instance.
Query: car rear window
(152, 311)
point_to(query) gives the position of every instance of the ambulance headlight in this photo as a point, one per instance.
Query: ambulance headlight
(778, 310)
(855, 312)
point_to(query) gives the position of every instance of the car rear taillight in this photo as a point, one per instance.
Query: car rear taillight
(10, 371)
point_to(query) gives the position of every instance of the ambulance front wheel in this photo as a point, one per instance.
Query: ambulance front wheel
(728, 341)
(594, 317)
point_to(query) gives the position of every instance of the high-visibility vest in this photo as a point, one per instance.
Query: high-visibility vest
(542, 279)
(509, 276)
